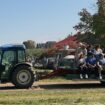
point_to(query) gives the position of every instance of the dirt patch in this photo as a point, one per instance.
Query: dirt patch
(76, 84)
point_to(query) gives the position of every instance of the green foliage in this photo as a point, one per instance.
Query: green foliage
(85, 24)
(93, 24)
(101, 7)
(99, 22)
(35, 52)
(88, 38)
(99, 18)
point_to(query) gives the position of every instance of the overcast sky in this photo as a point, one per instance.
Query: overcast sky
(39, 20)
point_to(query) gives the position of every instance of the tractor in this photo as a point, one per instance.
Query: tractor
(14, 67)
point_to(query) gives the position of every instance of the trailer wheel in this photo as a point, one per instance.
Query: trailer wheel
(23, 77)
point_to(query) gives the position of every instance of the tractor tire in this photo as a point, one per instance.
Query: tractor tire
(22, 77)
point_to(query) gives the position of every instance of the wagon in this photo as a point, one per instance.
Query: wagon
(67, 67)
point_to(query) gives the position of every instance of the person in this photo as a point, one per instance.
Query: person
(82, 67)
(91, 63)
(84, 50)
(101, 64)
(90, 49)
(80, 50)
(97, 51)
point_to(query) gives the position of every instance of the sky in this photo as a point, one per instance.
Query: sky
(39, 20)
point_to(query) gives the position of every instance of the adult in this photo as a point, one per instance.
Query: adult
(91, 63)
(90, 49)
(97, 51)
(84, 50)
(80, 50)
(101, 65)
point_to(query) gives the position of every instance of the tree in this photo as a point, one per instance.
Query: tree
(99, 18)
(85, 24)
(99, 21)
(34, 52)
(93, 24)
(29, 44)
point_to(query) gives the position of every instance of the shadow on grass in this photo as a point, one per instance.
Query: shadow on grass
(8, 88)
(72, 86)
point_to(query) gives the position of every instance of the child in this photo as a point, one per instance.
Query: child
(82, 66)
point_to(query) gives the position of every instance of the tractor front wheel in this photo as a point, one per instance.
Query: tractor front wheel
(23, 77)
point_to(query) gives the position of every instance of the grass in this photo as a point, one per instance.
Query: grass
(53, 97)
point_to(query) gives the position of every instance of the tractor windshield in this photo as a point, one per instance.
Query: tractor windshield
(0, 55)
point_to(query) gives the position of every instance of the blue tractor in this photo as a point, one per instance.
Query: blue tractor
(14, 67)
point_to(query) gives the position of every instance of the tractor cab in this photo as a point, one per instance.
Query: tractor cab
(13, 66)
(10, 55)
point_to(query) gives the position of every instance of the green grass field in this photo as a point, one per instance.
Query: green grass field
(77, 95)
(53, 97)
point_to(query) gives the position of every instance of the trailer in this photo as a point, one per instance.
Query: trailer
(68, 68)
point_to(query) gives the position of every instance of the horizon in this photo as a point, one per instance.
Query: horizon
(39, 20)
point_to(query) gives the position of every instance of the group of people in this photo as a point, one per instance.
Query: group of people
(90, 60)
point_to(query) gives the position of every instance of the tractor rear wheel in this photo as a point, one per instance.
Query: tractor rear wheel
(23, 77)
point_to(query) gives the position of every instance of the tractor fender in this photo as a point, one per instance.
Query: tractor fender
(29, 65)
(21, 64)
